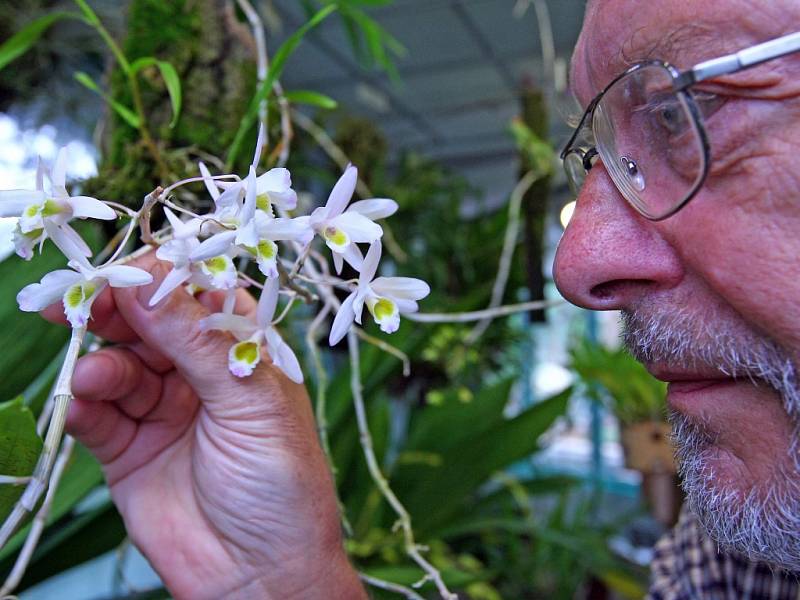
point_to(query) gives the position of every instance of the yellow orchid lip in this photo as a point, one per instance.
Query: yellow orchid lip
(336, 236)
(243, 358)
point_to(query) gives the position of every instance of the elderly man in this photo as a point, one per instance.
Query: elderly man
(687, 221)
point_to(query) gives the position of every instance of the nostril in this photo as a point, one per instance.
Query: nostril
(618, 289)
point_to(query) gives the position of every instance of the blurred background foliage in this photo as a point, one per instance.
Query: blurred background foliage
(450, 436)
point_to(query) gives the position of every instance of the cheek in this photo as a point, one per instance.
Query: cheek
(743, 239)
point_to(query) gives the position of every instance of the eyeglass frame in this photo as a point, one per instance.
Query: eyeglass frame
(681, 82)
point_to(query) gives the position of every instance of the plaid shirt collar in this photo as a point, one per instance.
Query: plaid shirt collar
(688, 566)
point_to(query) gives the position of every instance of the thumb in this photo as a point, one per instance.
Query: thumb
(172, 327)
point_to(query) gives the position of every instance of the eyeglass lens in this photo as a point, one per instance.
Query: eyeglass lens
(648, 141)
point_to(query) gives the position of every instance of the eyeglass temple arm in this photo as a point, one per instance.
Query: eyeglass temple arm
(749, 57)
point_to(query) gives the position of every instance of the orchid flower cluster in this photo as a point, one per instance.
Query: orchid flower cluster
(247, 220)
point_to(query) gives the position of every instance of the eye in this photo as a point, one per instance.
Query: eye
(669, 115)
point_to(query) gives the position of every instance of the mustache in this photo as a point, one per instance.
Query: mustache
(730, 348)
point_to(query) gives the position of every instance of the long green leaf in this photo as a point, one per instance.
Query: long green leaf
(81, 476)
(311, 98)
(171, 80)
(275, 69)
(88, 13)
(123, 111)
(19, 449)
(434, 495)
(19, 43)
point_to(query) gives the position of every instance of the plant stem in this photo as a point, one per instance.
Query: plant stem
(404, 519)
(390, 586)
(39, 522)
(487, 313)
(41, 473)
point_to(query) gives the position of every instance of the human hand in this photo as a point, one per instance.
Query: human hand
(220, 480)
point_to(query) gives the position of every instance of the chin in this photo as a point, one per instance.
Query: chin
(756, 519)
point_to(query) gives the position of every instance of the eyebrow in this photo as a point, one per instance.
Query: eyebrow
(683, 46)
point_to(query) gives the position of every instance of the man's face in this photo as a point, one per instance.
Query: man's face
(711, 295)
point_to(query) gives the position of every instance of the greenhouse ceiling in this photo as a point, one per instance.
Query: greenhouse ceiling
(460, 81)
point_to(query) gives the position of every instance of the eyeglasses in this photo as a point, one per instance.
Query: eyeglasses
(647, 127)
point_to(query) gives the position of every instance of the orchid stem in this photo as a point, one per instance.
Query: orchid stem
(41, 474)
(39, 521)
(411, 546)
(390, 586)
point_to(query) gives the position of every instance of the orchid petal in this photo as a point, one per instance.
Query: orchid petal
(216, 245)
(283, 229)
(231, 196)
(338, 262)
(87, 207)
(123, 276)
(41, 171)
(25, 243)
(59, 176)
(243, 357)
(68, 241)
(260, 140)
(221, 272)
(357, 227)
(386, 314)
(14, 202)
(172, 281)
(358, 303)
(284, 200)
(370, 266)
(354, 257)
(212, 188)
(249, 208)
(241, 327)
(342, 192)
(77, 301)
(407, 288)
(274, 180)
(343, 320)
(406, 306)
(267, 303)
(374, 208)
(283, 356)
(247, 235)
(38, 296)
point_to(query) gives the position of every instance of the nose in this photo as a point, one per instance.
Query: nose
(610, 256)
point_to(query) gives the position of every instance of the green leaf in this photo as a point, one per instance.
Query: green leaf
(130, 117)
(19, 43)
(19, 449)
(88, 13)
(311, 98)
(275, 70)
(171, 80)
(82, 475)
(432, 495)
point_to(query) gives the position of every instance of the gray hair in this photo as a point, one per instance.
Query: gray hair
(762, 523)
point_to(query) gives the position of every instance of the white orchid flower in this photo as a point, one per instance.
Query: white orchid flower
(343, 229)
(77, 288)
(254, 232)
(246, 353)
(216, 272)
(41, 212)
(273, 188)
(386, 298)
